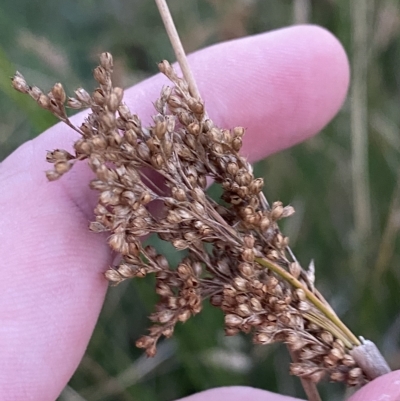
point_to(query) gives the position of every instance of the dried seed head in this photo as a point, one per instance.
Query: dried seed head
(225, 241)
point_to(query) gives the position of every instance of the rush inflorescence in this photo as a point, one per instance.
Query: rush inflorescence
(152, 180)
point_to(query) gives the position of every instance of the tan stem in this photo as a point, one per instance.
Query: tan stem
(178, 48)
(311, 297)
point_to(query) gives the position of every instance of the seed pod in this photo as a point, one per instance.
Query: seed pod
(277, 210)
(246, 269)
(100, 75)
(52, 175)
(106, 61)
(62, 167)
(74, 103)
(237, 143)
(233, 320)
(196, 106)
(184, 316)
(160, 129)
(19, 83)
(44, 101)
(194, 128)
(113, 276)
(238, 132)
(59, 94)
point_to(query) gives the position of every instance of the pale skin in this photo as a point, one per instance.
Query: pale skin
(284, 87)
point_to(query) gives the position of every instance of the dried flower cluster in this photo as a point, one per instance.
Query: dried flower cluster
(236, 255)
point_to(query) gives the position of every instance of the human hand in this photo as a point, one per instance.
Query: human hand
(283, 87)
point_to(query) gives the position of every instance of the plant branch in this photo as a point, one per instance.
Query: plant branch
(178, 48)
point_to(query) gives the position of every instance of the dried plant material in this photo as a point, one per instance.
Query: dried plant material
(236, 255)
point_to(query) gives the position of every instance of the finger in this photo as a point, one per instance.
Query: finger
(283, 86)
(237, 393)
(384, 388)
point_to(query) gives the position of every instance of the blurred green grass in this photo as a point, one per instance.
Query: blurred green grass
(345, 183)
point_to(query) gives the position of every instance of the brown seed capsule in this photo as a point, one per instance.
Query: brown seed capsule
(108, 119)
(83, 96)
(233, 320)
(256, 185)
(237, 143)
(243, 178)
(58, 92)
(98, 97)
(240, 283)
(300, 294)
(100, 75)
(126, 271)
(74, 103)
(327, 337)
(35, 92)
(287, 211)
(52, 175)
(168, 332)
(106, 61)
(355, 373)
(143, 151)
(19, 83)
(246, 269)
(295, 269)
(157, 161)
(248, 241)
(263, 338)
(113, 276)
(194, 129)
(180, 244)
(277, 210)
(62, 167)
(264, 223)
(335, 354)
(248, 255)
(196, 106)
(238, 132)
(184, 316)
(113, 101)
(348, 360)
(256, 304)
(97, 227)
(179, 194)
(232, 168)
(244, 310)
(44, 101)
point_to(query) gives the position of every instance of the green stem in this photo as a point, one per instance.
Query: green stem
(352, 339)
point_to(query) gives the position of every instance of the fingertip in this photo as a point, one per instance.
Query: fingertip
(237, 393)
(384, 388)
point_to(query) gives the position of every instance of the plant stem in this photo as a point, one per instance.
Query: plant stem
(177, 46)
(359, 133)
(352, 339)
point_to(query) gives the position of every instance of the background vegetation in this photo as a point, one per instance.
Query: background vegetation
(345, 183)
